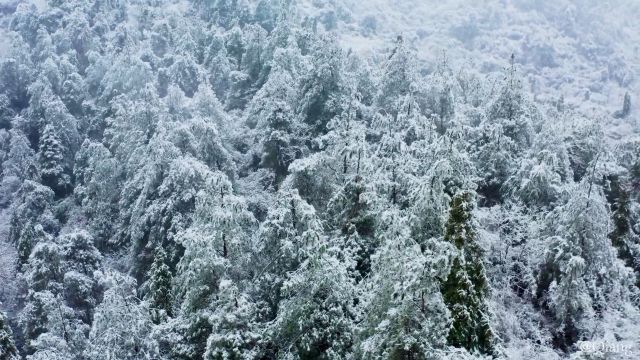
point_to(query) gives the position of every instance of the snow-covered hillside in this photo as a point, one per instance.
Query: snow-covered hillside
(308, 179)
(585, 51)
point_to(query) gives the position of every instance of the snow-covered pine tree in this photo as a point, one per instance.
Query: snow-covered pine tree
(624, 236)
(8, 350)
(322, 88)
(316, 315)
(466, 290)
(391, 160)
(58, 333)
(504, 134)
(284, 240)
(349, 210)
(543, 170)
(98, 177)
(51, 162)
(442, 167)
(442, 85)
(272, 113)
(80, 259)
(32, 218)
(216, 249)
(159, 287)
(403, 312)
(398, 78)
(184, 73)
(233, 331)
(51, 326)
(621, 223)
(19, 164)
(218, 67)
(122, 323)
(581, 274)
(20, 160)
(62, 294)
(584, 144)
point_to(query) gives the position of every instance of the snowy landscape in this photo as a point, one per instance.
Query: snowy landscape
(319, 179)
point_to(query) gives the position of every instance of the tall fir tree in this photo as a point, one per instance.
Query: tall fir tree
(51, 158)
(403, 312)
(581, 274)
(121, 324)
(622, 226)
(398, 78)
(159, 295)
(466, 290)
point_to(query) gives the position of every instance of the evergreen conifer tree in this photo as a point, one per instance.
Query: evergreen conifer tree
(626, 107)
(8, 350)
(160, 287)
(51, 162)
(466, 289)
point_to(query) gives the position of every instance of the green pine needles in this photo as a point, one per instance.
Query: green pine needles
(466, 288)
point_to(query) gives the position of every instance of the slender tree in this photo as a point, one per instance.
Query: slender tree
(51, 162)
(465, 289)
(160, 287)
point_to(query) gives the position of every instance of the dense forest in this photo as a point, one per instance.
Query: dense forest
(224, 180)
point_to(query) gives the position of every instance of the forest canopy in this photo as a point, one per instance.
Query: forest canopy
(225, 180)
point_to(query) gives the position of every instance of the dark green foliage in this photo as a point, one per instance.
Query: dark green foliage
(626, 107)
(635, 177)
(322, 88)
(355, 221)
(466, 289)
(51, 162)
(8, 350)
(623, 237)
(280, 148)
(32, 219)
(159, 295)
